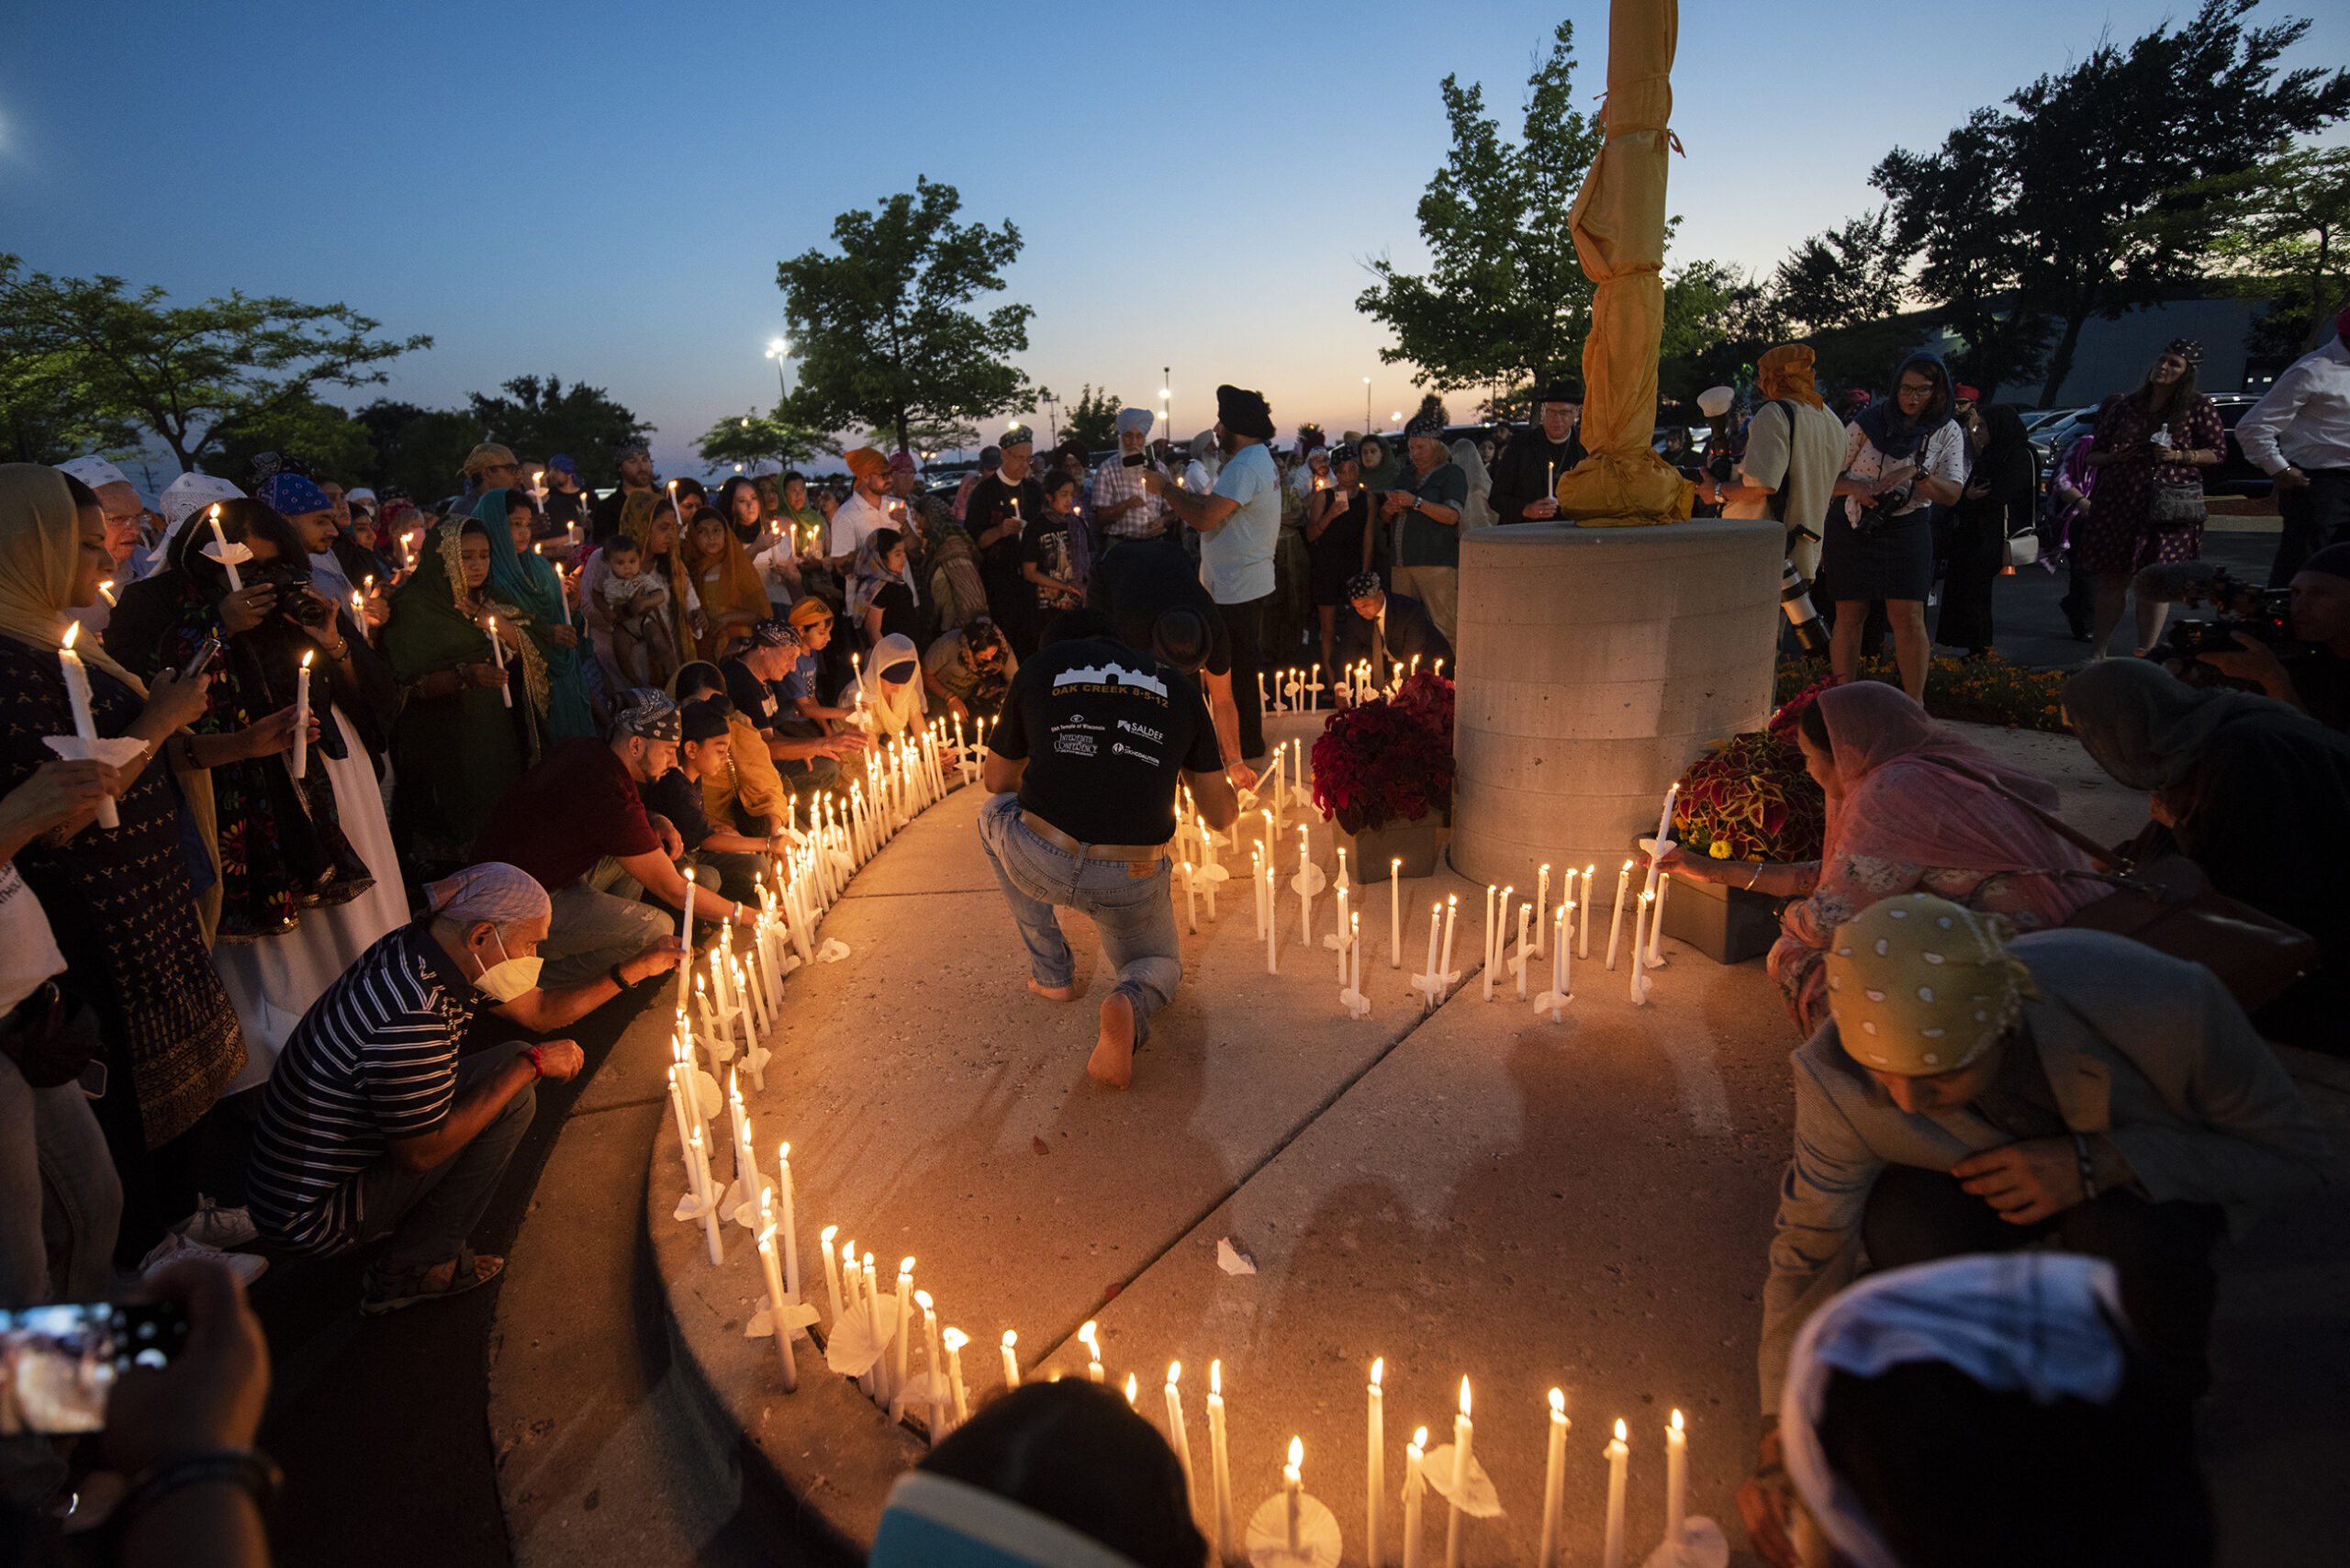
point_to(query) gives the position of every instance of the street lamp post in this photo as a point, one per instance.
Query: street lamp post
(1166, 408)
(1366, 405)
(777, 349)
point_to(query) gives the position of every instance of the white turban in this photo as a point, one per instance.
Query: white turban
(1714, 401)
(190, 494)
(94, 472)
(1134, 419)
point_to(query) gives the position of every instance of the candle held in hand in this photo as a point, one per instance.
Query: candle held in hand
(301, 764)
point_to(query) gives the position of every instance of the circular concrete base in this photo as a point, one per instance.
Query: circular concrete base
(1595, 664)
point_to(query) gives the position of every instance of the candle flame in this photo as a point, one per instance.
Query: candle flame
(71, 633)
(1419, 1440)
(1216, 1378)
(954, 1339)
(1676, 1420)
(1296, 1452)
(825, 1236)
(213, 516)
(1452, 898)
(1088, 1336)
(1174, 1373)
(783, 1151)
(1378, 1371)
(1465, 1396)
(1619, 1429)
(1009, 1338)
(1546, 865)
(689, 873)
(921, 1299)
(905, 1267)
(1134, 1388)
(1557, 1401)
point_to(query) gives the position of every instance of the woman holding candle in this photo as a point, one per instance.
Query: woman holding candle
(1901, 819)
(457, 746)
(529, 593)
(879, 601)
(120, 900)
(734, 597)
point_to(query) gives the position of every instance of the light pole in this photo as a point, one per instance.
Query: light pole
(777, 349)
(1366, 405)
(1166, 409)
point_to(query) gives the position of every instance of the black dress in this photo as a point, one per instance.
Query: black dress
(1981, 525)
(1337, 555)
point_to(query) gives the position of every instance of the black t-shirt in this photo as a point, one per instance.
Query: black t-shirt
(1341, 541)
(1105, 732)
(1135, 582)
(678, 798)
(566, 507)
(2322, 682)
(1044, 544)
(756, 699)
(898, 617)
(607, 516)
(989, 504)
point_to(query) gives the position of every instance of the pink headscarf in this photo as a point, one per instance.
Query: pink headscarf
(1897, 804)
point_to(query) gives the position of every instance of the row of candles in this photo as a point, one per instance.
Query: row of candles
(1299, 690)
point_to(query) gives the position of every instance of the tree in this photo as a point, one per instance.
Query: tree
(884, 338)
(1093, 418)
(186, 372)
(1848, 276)
(2276, 232)
(418, 450)
(2026, 220)
(1432, 408)
(754, 437)
(1505, 299)
(1714, 329)
(330, 440)
(539, 419)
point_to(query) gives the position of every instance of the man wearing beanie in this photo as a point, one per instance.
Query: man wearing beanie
(1527, 472)
(2315, 679)
(1975, 1094)
(2299, 433)
(1239, 522)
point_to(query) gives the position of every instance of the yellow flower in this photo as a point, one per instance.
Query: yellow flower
(1721, 851)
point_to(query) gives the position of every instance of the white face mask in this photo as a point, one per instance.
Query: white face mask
(508, 978)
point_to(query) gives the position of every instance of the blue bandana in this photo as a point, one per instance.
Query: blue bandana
(290, 495)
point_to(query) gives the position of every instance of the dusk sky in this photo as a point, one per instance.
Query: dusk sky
(601, 191)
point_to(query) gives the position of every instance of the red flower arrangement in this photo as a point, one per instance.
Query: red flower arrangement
(1388, 758)
(1751, 798)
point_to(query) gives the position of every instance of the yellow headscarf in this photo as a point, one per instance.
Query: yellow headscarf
(1919, 985)
(1785, 372)
(40, 542)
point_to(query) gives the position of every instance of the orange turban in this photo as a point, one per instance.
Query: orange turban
(1785, 372)
(868, 464)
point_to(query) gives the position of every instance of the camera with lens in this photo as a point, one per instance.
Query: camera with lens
(295, 600)
(2264, 614)
(1878, 511)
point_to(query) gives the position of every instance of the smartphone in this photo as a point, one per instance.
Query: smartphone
(58, 1364)
(1133, 459)
(203, 660)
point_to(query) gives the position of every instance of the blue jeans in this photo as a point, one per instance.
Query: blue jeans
(1136, 915)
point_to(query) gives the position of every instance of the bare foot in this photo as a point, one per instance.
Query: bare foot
(1054, 993)
(1112, 1061)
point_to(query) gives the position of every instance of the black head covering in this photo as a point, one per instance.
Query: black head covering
(1244, 412)
(1560, 391)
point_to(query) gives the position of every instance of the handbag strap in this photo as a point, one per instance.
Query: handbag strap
(2097, 852)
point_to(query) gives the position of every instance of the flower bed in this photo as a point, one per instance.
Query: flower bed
(1987, 690)
(1389, 759)
(1751, 798)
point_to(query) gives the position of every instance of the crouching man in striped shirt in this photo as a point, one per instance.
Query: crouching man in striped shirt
(373, 1128)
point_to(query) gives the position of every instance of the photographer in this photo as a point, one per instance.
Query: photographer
(2317, 681)
(1903, 454)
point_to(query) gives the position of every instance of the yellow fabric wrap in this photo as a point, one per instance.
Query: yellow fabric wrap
(1919, 985)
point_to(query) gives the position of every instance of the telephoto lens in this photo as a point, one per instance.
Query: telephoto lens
(1794, 598)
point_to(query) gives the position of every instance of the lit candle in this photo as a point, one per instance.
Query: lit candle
(77, 697)
(1554, 1480)
(1583, 943)
(1428, 999)
(1177, 1436)
(220, 543)
(1491, 960)
(1462, 1433)
(498, 652)
(905, 1323)
(1615, 919)
(301, 763)
(1090, 1337)
(778, 1310)
(791, 1242)
(1220, 1462)
(1011, 1359)
(1542, 899)
(106, 592)
(1656, 926)
(1293, 1492)
(1444, 972)
(1376, 1493)
(1612, 1554)
(1524, 916)
(933, 1366)
(1133, 1390)
(956, 1340)
(1395, 912)
(1639, 926)
(685, 968)
(1664, 834)
(1272, 914)
(1416, 1487)
(831, 1270)
(1190, 900)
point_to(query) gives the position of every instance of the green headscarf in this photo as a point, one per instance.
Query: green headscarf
(1919, 985)
(528, 581)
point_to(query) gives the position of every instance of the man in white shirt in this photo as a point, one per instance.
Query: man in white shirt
(2301, 434)
(863, 512)
(1124, 509)
(1239, 523)
(1795, 448)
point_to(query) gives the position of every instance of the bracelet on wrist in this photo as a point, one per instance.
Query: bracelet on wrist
(537, 1068)
(248, 1468)
(618, 978)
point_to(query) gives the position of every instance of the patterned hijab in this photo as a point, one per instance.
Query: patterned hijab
(1919, 985)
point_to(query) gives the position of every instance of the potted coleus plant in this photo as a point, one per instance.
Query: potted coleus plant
(1749, 798)
(1382, 770)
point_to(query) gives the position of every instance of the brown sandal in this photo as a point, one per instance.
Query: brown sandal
(390, 1290)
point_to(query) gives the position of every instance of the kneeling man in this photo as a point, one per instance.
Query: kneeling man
(1083, 767)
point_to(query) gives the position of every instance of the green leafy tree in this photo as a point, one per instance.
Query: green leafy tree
(332, 442)
(1505, 299)
(539, 419)
(186, 372)
(2276, 232)
(754, 437)
(1714, 329)
(1432, 408)
(418, 450)
(1093, 418)
(1848, 276)
(884, 332)
(2026, 219)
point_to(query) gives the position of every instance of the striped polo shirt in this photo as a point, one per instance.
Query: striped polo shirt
(374, 1059)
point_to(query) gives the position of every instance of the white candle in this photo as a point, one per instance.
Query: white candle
(1656, 926)
(791, 1242)
(1462, 1433)
(1272, 918)
(301, 763)
(831, 1270)
(1542, 901)
(1177, 1437)
(220, 539)
(1582, 943)
(1220, 1462)
(1612, 1554)
(1375, 1490)
(1090, 1337)
(1304, 885)
(498, 652)
(686, 966)
(1293, 1488)
(77, 697)
(1616, 919)
(778, 1310)
(1414, 1488)
(1355, 984)
(1554, 1480)
(1190, 900)
(710, 1205)
(1664, 834)
(1395, 912)
(1428, 999)
(1676, 1482)
(1011, 1359)
(905, 1323)
(956, 1340)
(1491, 960)
(931, 1365)
(1524, 916)
(1444, 970)
(1640, 929)
(1564, 985)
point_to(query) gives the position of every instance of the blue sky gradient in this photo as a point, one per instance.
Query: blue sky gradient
(602, 191)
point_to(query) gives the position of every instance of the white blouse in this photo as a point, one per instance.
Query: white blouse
(1944, 458)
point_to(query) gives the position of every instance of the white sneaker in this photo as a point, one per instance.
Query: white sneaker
(249, 1266)
(212, 1226)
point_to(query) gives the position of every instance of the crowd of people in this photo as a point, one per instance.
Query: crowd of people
(314, 797)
